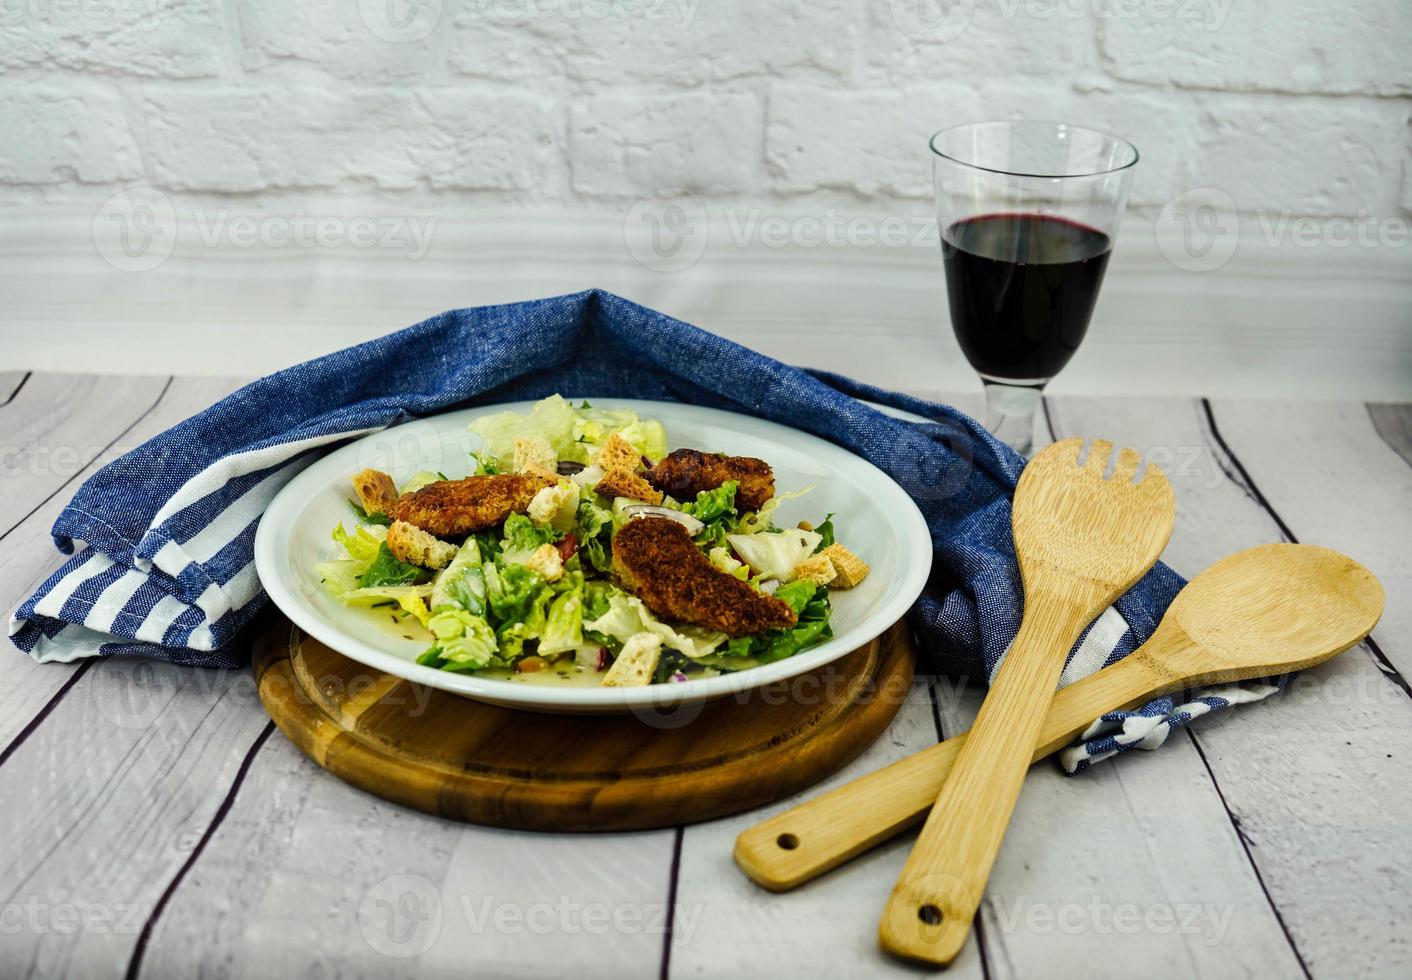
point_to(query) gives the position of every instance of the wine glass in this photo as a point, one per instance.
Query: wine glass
(1028, 212)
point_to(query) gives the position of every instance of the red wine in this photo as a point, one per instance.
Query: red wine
(1022, 288)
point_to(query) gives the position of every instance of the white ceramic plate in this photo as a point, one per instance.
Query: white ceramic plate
(875, 518)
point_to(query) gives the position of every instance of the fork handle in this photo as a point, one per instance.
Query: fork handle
(822, 833)
(930, 911)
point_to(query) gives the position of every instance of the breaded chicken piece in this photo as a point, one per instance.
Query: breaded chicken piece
(687, 472)
(376, 491)
(453, 508)
(655, 558)
(411, 544)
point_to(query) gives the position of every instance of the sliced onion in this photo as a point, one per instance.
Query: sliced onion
(692, 525)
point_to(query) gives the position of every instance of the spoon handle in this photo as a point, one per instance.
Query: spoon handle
(804, 841)
(929, 913)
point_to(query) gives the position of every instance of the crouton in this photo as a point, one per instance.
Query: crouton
(547, 561)
(817, 569)
(540, 473)
(849, 568)
(617, 453)
(556, 506)
(376, 491)
(636, 663)
(535, 451)
(625, 483)
(411, 544)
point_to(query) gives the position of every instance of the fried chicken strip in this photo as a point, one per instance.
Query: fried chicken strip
(452, 508)
(687, 472)
(655, 558)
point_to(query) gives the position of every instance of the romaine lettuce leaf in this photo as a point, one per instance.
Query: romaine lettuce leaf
(593, 527)
(627, 616)
(418, 480)
(462, 583)
(563, 628)
(464, 641)
(573, 432)
(387, 569)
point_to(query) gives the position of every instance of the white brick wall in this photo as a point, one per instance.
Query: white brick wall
(1292, 104)
(155, 153)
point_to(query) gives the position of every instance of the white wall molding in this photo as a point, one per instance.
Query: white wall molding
(1278, 319)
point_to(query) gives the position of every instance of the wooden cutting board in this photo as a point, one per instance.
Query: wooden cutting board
(461, 759)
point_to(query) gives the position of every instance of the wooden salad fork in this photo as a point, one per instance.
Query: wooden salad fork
(1267, 610)
(1082, 540)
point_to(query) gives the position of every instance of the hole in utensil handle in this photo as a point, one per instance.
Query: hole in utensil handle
(787, 842)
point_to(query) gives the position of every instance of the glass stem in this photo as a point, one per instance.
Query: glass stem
(1010, 414)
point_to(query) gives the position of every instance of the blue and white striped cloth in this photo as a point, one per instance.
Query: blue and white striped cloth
(166, 568)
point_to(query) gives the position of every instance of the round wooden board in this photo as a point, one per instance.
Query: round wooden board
(461, 759)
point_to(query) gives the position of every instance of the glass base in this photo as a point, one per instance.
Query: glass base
(1010, 409)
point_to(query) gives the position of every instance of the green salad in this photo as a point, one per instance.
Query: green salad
(575, 543)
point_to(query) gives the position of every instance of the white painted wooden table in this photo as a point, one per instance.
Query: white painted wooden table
(156, 825)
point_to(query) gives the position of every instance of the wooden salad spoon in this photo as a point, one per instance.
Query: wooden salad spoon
(1082, 540)
(1271, 609)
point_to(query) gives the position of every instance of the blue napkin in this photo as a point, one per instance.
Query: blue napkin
(167, 568)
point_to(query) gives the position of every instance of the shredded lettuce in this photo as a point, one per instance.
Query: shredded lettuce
(462, 582)
(563, 628)
(420, 479)
(573, 432)
(811, 605)
(627, 616)
(775, 555)
(464, 641)
(387, 569)
(593, 527)
(485, 465)
(755, 522)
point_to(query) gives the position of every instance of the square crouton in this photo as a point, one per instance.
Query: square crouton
(535, 451)
(376, 491)
(849, 569)
(547, 561)
(636, 663)
(411, 544)
(555, 506)
(817, 569)
(625, 483)
(617, 453)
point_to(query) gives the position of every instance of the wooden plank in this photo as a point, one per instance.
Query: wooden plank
(58, 424)
(105, 800)
(1309, 777)
(827, 928)
(1333, 478)
(378, 890)
(27, 553)
(1394, 425)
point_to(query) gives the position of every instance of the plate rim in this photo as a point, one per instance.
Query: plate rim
(278, 519)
